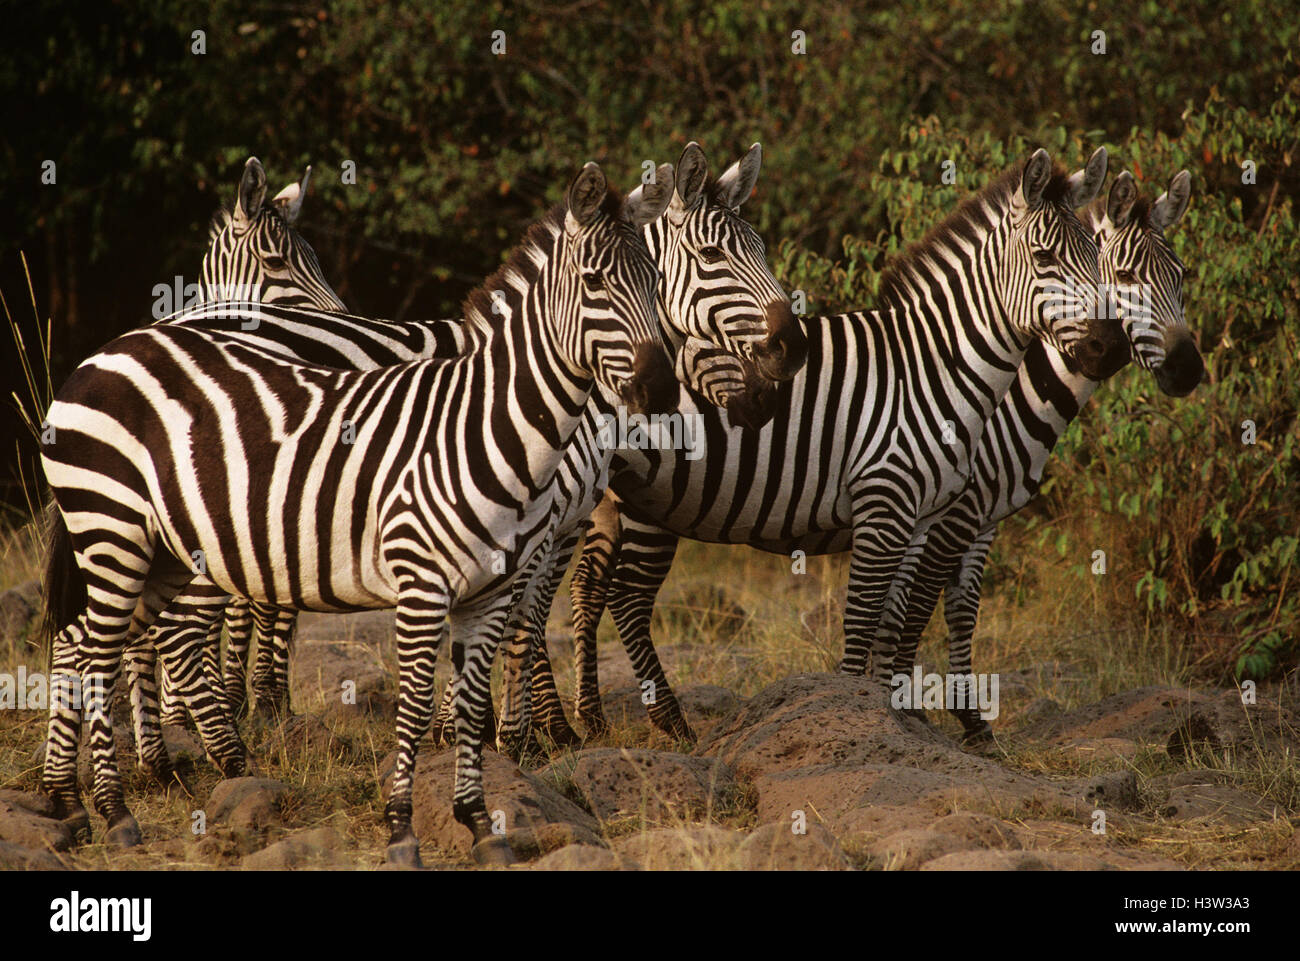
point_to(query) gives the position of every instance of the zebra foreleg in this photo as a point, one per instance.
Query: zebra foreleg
(961, 608)
(645, 559)
(588, 592)
(879, 545)
(472, 701)
(420, 625)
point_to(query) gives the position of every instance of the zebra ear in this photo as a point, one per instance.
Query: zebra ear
(1035, 177)
(585, 196)
(252, 191)
(737, 181)
(692, 172)
(289, 200)
(1172, 204)
(1123, 195)
(1086, 183)
(648, 202)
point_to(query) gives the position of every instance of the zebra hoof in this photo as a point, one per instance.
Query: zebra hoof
(78, 825)
(981, 734)
(404, 853)
(125, 832)
(493, 851)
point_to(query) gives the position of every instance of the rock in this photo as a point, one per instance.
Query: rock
(700, 847)
(1222, 723)
(319, 849)
(656, 785)
(775, 847)
(865, 825)
(977, 830)
(19, 608)
(830, 743)
(1038, 711)
(183, 746)
(530, 843)
(584, 857)
(1016, 861)
(524, 801)
(30, 800)
(1217, 802)
(233, 793)
(15, 857)
(27, 828)
(1115, 790)
(908, 850)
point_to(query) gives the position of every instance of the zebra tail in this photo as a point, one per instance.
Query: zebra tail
(63, 587)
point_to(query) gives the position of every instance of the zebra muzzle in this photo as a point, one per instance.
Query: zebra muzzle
(652, 388)
(783, 353)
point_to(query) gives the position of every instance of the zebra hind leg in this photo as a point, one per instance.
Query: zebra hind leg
(63, 732)
(271, 674)
(153, 761)
(241, 619)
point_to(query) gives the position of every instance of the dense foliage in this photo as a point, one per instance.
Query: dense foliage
(456, 147)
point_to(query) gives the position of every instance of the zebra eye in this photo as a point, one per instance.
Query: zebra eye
(1125, 276)
(594, 280)
(1044, 258)
(711, 255)
(276, 263)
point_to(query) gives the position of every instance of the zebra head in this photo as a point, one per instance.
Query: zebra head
(608, 281)
(716, 284)
(1144, 280)
(1049, 273)
(727, 381)
(254, 254)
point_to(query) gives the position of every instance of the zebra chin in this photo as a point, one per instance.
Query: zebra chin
(652, 388)
(755, 405)
(1182, 369)
(783, 353)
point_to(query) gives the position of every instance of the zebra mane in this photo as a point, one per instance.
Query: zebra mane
(526, 259)
(967, 220)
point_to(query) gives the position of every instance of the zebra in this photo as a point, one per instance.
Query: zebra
(345, 340)
(1144, 278)
(876, 436)
(702, 215)
(1047, 394)
(438, 505)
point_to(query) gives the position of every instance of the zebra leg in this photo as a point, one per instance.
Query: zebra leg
(880, 542)
(63, 732)
(472, 702)
(421, 623)
(271, 675)
(115, 617)
(140, 662)
(526, 655)
(183, 634)
(645, 558)
(588, 592)
(961, 610)
(240, 621)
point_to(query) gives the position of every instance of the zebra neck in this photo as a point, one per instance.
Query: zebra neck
(945, 300)
(533, 397)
